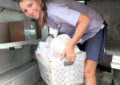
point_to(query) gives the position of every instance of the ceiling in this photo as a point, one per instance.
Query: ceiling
(10, 4)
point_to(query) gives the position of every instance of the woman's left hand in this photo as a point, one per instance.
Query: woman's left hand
(69, 53)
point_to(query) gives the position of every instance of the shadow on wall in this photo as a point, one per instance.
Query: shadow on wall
(109, 10)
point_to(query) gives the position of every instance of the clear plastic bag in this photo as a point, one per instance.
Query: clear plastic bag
(53, 47)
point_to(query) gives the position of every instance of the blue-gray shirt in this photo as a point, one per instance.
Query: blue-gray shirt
(66, 14)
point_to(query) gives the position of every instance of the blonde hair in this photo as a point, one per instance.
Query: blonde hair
(43, 13)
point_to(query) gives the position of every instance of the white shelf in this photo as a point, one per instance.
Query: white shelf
(14, 44)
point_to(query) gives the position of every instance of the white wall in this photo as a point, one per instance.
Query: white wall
(10, 16)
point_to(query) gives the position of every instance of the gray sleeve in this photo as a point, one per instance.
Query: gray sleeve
(65, 13)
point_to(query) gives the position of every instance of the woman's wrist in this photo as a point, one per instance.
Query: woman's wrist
(72, 44)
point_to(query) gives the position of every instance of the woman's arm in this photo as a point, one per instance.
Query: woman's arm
(81, 26)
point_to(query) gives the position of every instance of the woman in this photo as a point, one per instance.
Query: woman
(79, 22)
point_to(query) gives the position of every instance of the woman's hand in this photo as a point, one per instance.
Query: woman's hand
(69, 53)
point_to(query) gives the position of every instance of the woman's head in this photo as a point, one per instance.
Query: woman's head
(35, 9)
(31, 8)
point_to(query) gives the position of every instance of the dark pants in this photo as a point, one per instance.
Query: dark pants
(94, 46)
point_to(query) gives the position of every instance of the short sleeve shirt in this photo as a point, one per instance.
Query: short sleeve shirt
(67, 17)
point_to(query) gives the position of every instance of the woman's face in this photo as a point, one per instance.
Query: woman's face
(31, 8)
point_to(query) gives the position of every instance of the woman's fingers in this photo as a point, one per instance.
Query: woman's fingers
(69, 54)
(70, 58)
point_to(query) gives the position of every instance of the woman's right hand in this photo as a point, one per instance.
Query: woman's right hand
(68, 53)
